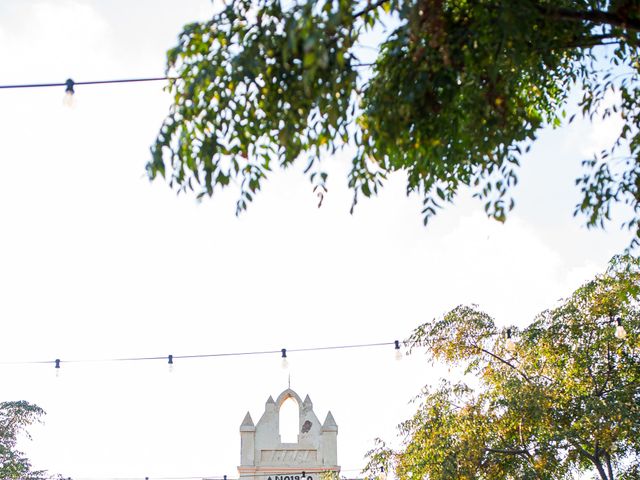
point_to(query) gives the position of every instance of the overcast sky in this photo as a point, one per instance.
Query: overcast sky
(97, 262)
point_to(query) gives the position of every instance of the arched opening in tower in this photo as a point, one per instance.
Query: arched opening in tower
(289, 421)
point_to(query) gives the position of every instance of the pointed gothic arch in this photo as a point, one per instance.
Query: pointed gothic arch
(288, 393)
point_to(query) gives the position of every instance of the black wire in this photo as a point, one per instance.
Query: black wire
(204, 477)
(340, 346)
(219, 477)
(206, 355)
(91, 82)
(124, 80)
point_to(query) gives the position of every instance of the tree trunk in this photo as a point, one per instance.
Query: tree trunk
(598, 464)
(607, 457)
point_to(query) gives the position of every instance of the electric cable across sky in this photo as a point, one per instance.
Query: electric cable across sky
(170, 359)
(90, 82)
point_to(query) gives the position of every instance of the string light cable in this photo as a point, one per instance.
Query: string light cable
(215, 477)
(69, 84)
(170, 359)
(200, 477)
(510, 343)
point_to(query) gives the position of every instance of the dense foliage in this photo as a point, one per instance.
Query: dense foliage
(564, 400)
(458, 90)
(15, 417)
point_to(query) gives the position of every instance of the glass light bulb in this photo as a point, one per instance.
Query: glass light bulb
(511, 345)
(398, 354)
(621, 333)
(69, 100)
(285, 363)
(171, 368)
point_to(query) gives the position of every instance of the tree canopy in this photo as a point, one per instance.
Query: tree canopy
(15, 417)
(549, 401)
(454, 98)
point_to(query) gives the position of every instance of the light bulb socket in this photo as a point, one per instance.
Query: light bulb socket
(620, 332)
(284, 353)
(510, 344)
(69, 83)
(57, 363)
(397, 344)
(170, 359)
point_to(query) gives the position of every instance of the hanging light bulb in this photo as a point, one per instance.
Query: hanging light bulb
(57, 367)
(510, 344)
(621, 333)
(170, 362)
(383, 474)
(285, 362)
(69, 100)
(398, 351)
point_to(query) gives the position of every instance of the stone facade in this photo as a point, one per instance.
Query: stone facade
(263, 456)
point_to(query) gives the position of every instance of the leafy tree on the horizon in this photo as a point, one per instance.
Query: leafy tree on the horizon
(15, 417)
(456, 95)
(564, 399)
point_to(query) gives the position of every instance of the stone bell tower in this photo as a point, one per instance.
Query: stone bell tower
(263, 456)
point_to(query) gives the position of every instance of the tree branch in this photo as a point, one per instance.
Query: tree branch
(524, 375)
(601, 471)
(598, 17)
(582, 451)
(594, 41)
(607, 457)
(609, 367)
(521, 451)
(370, 7)
(596, 388)
(592, 458)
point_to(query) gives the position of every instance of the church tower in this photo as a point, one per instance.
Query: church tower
(263, 456)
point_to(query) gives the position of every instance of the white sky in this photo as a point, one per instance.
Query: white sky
(96, 262)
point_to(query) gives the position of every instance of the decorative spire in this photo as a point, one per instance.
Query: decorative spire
(329, 424)
(270, 406)
(247, 423)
